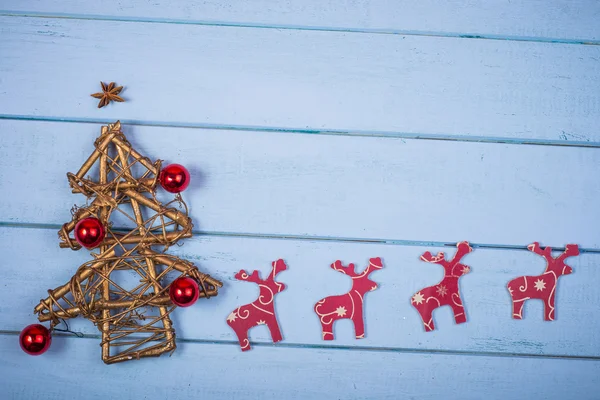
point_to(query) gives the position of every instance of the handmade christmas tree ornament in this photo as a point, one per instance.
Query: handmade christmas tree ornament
(445, 293)
(349, 305)
(132, 317)
(542, 286)
(184, 291)
(174, 178)
(262, 310)
(35, 339)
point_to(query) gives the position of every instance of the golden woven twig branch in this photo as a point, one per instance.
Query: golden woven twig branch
(134, 316)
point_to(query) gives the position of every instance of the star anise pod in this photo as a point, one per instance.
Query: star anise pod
(109, 93)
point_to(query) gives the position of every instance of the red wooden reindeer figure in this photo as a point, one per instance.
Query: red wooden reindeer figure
(262, 310)
(445, 293)
(349, 305)
(543, 286)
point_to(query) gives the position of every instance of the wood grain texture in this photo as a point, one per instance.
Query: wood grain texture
(334, 186)
(535, 19)
(236, 105)
(205, 371)
(301, 80)
(391, 321)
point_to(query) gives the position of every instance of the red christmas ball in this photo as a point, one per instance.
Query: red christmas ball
(174, 178)
(89, 232)
(35, 339)
(184, 291)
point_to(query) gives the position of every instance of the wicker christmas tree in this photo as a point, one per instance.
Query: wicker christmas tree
(133, 318)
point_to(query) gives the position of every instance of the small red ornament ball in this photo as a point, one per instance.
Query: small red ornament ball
(35, 339)
(89, 232)
(184, 291)
(174, 178)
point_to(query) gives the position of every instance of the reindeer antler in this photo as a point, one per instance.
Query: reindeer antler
(462, 249)
(537, 249)
(440, 258)
(278, 266)
(374, 263)
(243, 276)
(349, 270)
(570, 251)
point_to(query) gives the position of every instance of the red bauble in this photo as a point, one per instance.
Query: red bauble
(89, 232)
(174, 178)
(184, 291)
(35, 339)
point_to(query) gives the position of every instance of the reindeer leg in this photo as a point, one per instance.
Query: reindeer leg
(243, 339)
(518, 308)
(327, 329)
(359, 323)
(426, 313)
(275, 331)
(459, 313)
(549, 308)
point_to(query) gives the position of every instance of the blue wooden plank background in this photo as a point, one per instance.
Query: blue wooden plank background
(315, 131)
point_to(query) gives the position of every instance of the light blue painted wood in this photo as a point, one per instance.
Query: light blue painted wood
(72, 369)
(339, 184)
(533, 19)
(390, 319)
(301, 80)
(349, 187)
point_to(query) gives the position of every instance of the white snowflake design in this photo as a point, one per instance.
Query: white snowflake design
(442, 290)
(418, 298)
(540, 284)
(261, 322)
(341, 311)
(231, 317)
